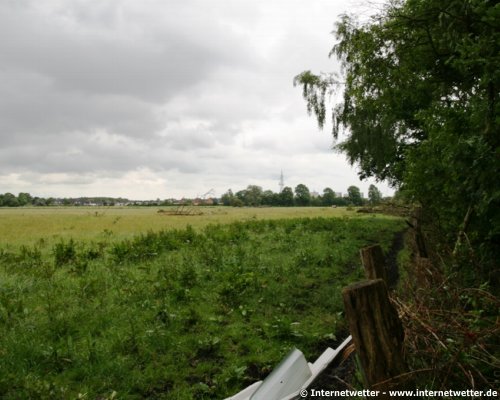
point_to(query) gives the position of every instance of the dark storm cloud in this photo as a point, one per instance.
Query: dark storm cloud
(32, 109)
(169, 96)
(72, 74)
(107, 58)
(71, 69)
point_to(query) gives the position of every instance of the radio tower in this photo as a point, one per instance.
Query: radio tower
(282, 182)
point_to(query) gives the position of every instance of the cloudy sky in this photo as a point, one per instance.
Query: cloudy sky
(164, 98)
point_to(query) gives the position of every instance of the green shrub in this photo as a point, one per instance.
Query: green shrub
(64, 253)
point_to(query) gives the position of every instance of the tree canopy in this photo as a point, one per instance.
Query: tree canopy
(328, 197)
(354, 195)
(420, 108)
(374, 195)
(302, 195)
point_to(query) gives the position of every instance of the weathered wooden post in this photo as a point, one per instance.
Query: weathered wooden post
(373, 261)
(377, 334)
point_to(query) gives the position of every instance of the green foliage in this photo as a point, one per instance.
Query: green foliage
(253, 195)
(228, 198)
(302, 195)
(24, 199)
(314, 90)
(286, 197)
(374, 195)
(150, 244)
(421, 109)
(176, 314)
(9, 200)
(328, 198)
(354, 196)
(64, 253)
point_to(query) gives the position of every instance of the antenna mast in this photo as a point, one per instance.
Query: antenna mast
(282, 182)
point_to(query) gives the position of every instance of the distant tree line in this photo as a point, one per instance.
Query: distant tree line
(26, 199)
(22, 199)
(254, 196)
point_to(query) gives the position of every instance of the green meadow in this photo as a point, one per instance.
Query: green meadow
(195, 307)
(47, 225)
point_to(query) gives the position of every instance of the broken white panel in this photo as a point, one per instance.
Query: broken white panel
(292, 375)
(288, 377)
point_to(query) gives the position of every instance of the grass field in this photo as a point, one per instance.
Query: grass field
(29, 226)
(182, 313)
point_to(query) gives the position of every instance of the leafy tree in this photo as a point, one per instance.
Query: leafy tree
(286, 197)
(316, 201)
(341, 201)
(227, 198)
(374, 195)
(269, 198)
(302, 195)
(241, 195)
(24, 199)
(328, 198)
(354, 196)
(253, 195)
(420, 108)
(237, 202)
(9, 200)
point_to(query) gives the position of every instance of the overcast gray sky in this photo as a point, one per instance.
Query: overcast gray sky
(164, 98)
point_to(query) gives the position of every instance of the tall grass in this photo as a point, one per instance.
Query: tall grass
(45, 226)
(176, 314)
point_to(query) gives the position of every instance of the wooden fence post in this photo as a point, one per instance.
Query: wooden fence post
(373, 261)
(377, 334)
